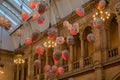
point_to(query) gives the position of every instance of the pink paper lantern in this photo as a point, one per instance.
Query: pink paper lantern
(65, 54)
(52, 33)
(60, 40)
(80, 11)
(70, 40)
(35, 36)
(60, 71)
(66, 24)
(91, 37)
(49, 73)
(41, 20)
(25, 16)
(97, 23)
(101, 5)
(42, 7)
(54, 68)
(36, 16)
(19, 32)
(40, 50)
(47, 68)
(28, 41)
(37, 63)
(57, 55)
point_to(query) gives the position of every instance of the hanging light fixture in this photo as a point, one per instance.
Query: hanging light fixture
(19, 59)
(49, 44)
(103, 15)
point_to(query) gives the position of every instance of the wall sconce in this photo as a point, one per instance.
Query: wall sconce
(1, 69)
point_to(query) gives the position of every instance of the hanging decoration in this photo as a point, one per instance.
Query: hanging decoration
(52, 33)
(47, 68)
(35, 16)
(7, 24)
(80, 11)
(28, 41)
(37, 63)
(35, 36)
(25, 16)
(74, 29)
(54, 69)
(40, 50)
(60, 70)
(42, 7)
(19, 32)
(60, 40)
(66, 24)
(117, 8)
(101, 5)
(91, 37)
(65, 54)
(49, 73)
(97, 23)
(57, 55)
(70, 40)
(41, 20)
(33, 5)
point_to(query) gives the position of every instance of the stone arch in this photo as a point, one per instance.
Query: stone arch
(88, 47)
(117, 77)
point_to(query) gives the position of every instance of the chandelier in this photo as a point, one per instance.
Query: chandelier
(1, 69)
(49, 44)
(102, 15)
(19, 59)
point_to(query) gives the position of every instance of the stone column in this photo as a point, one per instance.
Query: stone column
(71, 58)
(97, 55)
(22, 71)
(47, 62)
(17, 72)
(118, 21)
(82, 54)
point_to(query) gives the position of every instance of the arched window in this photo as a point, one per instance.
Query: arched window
(113, 33)
(88, 47)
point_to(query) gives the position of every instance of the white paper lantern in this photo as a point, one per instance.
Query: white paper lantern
(65, 54)
(101, 5)
(91, 37)
(57, 55)
(97, 23)
(66, 24)
(70, 40)
(60, 40)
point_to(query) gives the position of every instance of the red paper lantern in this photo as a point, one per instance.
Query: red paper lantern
(42, 7)
(80, 11)
(41, 20)
(65, 54)
(28, 41)
(25, 16)
(54, 68)
(57, 55)
(52, 33)
(35, 36)
(60, 70)
(36, 16)
(91, 37)
(97, 23)
(33, 5)
(37, 63)
(47, 68)
(40, 50)
(101, 5)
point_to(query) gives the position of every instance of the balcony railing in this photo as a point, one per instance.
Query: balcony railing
(112, 53)
(76, 65)
(87, 61)
(66, 68)
(42, 76)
